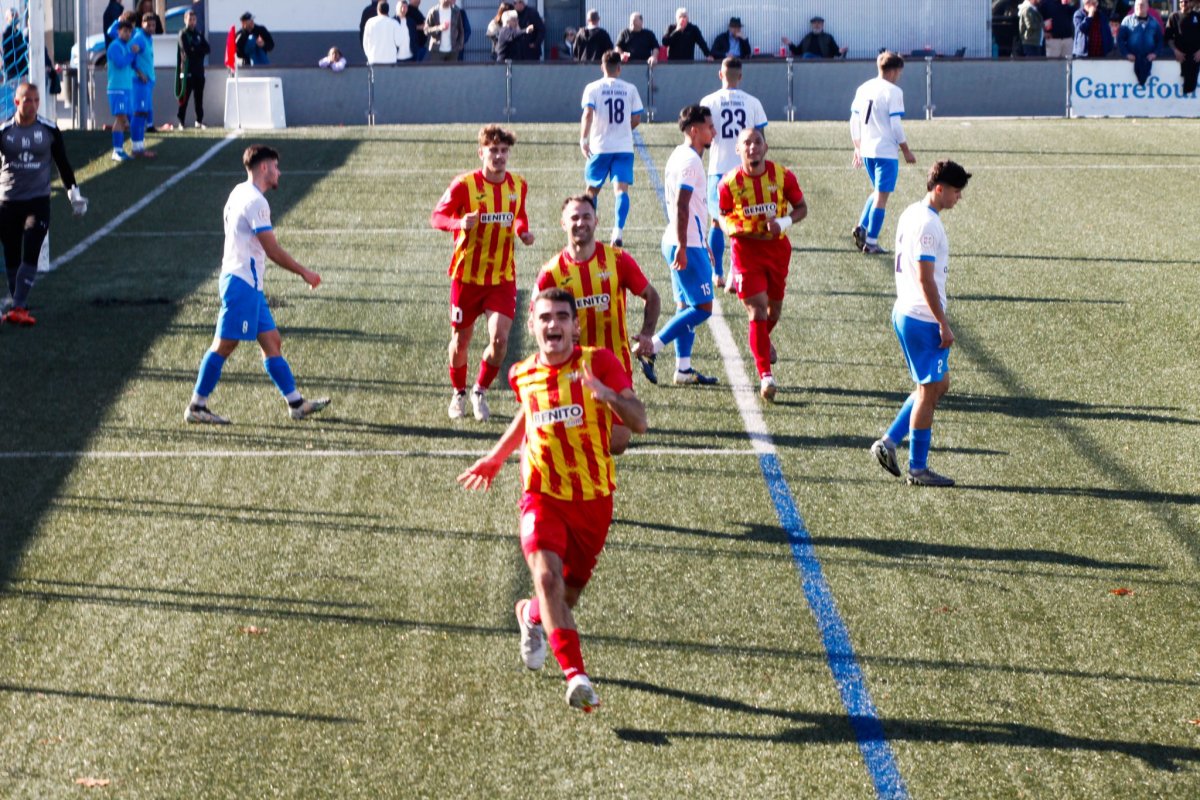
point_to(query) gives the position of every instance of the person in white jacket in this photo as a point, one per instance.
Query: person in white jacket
(385, 40)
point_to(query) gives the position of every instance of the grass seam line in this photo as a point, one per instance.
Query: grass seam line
(835, 636)
(146, 200)
(20, 455)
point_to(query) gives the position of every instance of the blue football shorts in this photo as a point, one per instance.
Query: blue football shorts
(244, 312)
(692, 286)
(921, 341)
(882, 173)
(119, 102)
(143, 98)
(601, 166)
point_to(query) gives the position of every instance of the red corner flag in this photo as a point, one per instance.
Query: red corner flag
(231, 48)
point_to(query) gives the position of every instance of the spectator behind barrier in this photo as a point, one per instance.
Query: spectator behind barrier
(1060, 27)
(638, 42)
(1031, 29)
(512, 42)
(1004, 27)
(253, 42)
(496, 23)
(333, 60)
(1139, 38)
(592, 42)
(385, 40)
(816, 43)
(682, 39)
(1183, 34)
(527, 15)
(731, 43)
(1093, 36)
(445, 28)
(147, 7)
(414, 20)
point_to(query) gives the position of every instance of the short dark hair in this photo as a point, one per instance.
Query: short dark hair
(949, 173)
(557, 294)
(256, 154)
(246, 17)
(732, 63)
(124, 25)
(888, 60)
(610, 59)
(382, 8)
(693, 115)
(130, 17)
(149, 16)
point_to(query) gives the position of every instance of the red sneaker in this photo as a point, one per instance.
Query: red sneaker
(145, 154)
(19, 316)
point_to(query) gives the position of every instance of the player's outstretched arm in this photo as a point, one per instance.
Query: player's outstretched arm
(276, 253)
(481, 474)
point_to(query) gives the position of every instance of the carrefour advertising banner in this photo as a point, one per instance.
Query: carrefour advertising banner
(1109, 89)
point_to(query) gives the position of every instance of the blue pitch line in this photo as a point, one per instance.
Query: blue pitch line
(835, 636)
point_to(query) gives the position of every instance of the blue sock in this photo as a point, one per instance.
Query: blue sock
(899, 428)
(864, 221)
(138, 124)
(876, 223)
(918, 448)
(281, 375)
(210, 372)
(684, 323)
(118, 140)
(716, 243)
(622, 209)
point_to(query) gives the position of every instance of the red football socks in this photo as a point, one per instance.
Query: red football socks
(760, 345)
(565, 645)
(487, 374)
(533, 611)
(458, 378)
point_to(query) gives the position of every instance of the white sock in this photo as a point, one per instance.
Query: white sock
(658, 344)
(683, 364)
(197, 400)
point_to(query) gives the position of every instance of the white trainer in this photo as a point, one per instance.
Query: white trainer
(768, 389)
(533, 638)
(581, 695)
(479, 405)
(309, 407)
(458, 405)
(201, 415)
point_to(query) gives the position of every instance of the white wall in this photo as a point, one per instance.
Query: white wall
(288, 15)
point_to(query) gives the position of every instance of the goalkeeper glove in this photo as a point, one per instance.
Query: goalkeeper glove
(79, 203)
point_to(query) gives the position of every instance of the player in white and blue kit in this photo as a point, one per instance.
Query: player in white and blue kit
(683, 248)
(919, 318)
(878, 141)
(143, 84)
(733, 111)
(245, 316)
(612, 108)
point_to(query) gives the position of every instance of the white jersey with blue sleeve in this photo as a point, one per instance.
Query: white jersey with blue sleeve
(733, 111)
(920, 237)
(875, 119)
(614, 102)
(247, 214)
(685, 170)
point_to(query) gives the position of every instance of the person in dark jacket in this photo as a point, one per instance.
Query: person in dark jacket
(512, 42)
(1060, 27)
(816, 43)
(1183, 35)
(415, 21)
(683, 38)
(253, 42)
(1004, 27)
(189, 70)
(731, 43)
(637, 42)
(528, 15)
(592, 42)
(1093, 35)
(112, 13)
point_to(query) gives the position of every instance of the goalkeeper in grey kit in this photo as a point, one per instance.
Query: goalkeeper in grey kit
(28, 143)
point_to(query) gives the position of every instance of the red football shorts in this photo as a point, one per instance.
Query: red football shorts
(468, 301)
(761, 265)
(574, 530)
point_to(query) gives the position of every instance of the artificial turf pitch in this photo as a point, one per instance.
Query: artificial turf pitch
(316, 609)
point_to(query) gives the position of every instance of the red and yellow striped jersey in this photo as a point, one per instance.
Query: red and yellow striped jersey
(749, 202)
(483, 255)
(567, 431)
(599, 285)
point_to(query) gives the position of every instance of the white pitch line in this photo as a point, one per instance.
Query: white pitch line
(145, 201)
(239, 454)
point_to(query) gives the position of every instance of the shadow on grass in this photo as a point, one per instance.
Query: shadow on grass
(821, 728)
(674, 436)
(175, 705)
(984, 298)
(61, 377)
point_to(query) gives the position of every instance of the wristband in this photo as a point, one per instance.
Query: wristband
(784, 223)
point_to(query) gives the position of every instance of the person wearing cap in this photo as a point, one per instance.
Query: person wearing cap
(816, 43)
(253, 42)
(682, 39)
(731, 43)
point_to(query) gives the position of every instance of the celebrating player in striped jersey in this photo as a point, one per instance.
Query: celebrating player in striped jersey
(759, 201)
(612, 108)
(878, 141)
(485, 209)
(569, 397)
(733, 111)
(598, 276)
(919, 319)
